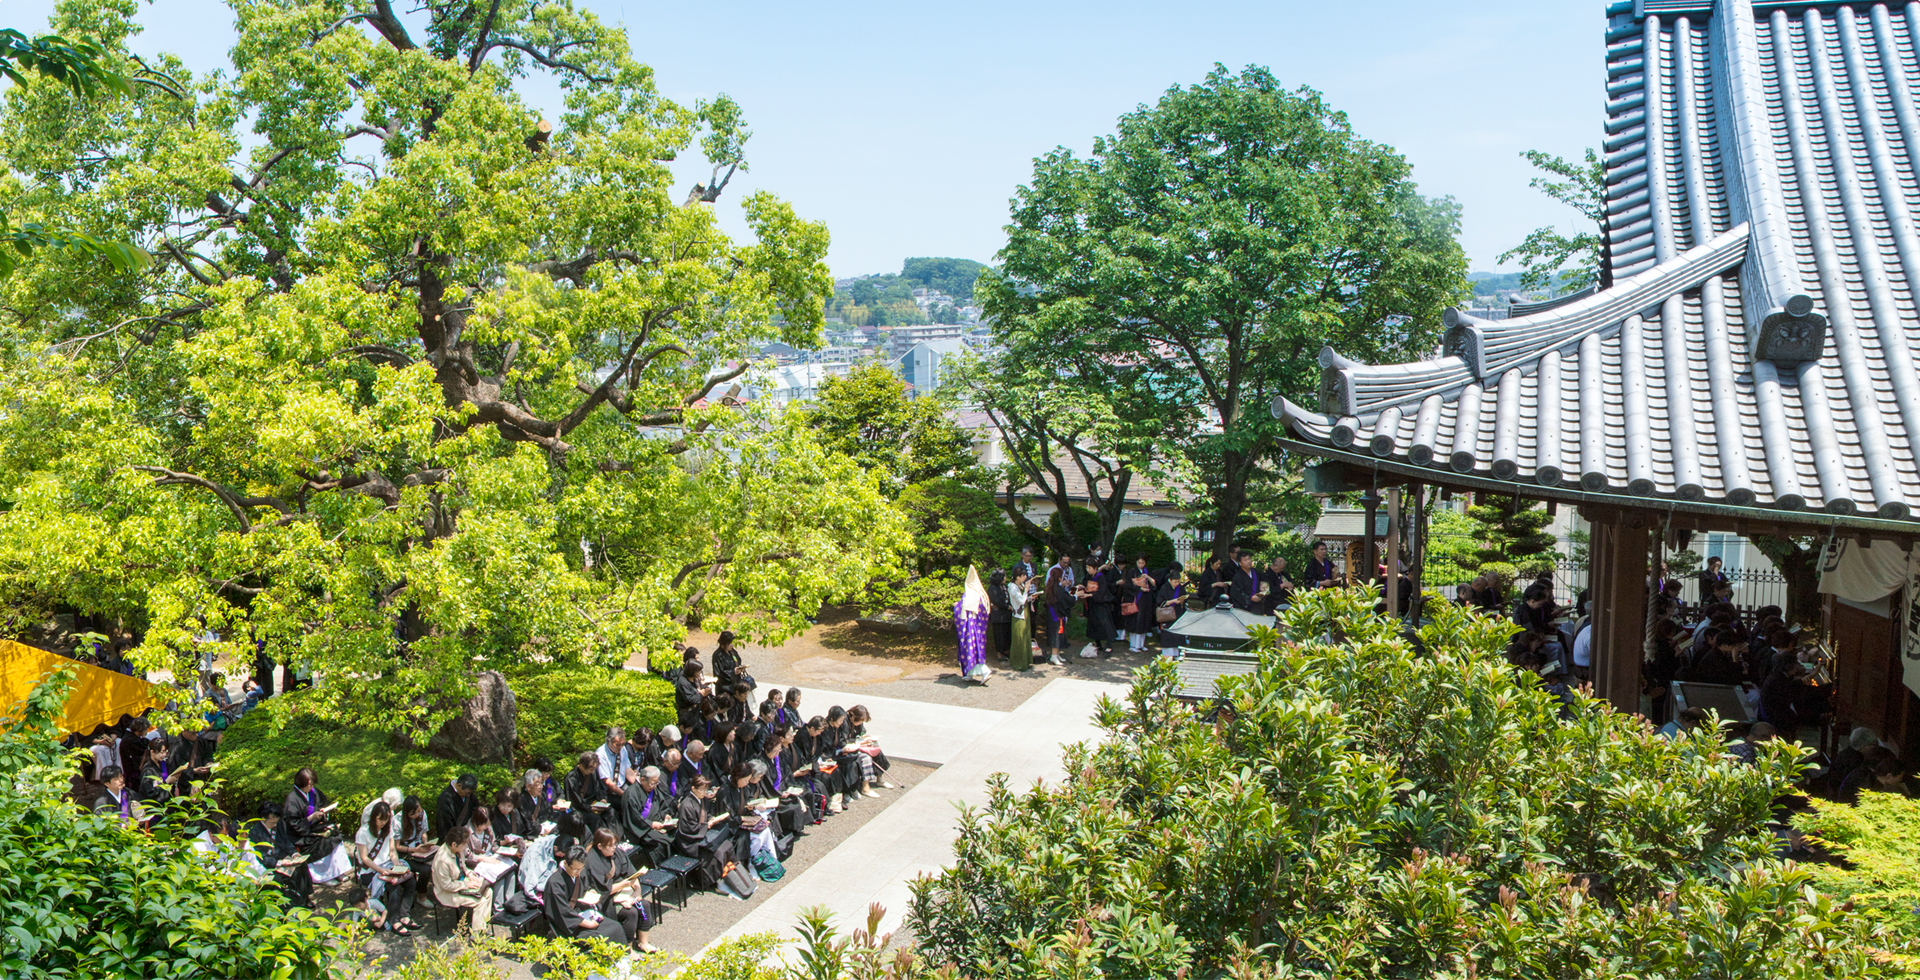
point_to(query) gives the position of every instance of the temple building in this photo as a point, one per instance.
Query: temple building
(1747, 361)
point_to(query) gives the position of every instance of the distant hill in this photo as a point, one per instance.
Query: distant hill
(886, 299)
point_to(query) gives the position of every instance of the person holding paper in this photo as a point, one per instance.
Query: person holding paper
(571, 906)
(456, 886)
(644, 814)
(413, 842)
(159, 779)
(614, 882)
(268, 837)
(534, 802)
(309, 815)
(382, 871)
(695, 822)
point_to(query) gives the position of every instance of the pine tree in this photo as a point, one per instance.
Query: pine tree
(1513, 530)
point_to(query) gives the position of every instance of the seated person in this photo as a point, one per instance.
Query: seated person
(797, 806)
(583, 793)
(382, 871)
(117, 798)
(290, 874)
(309, 816)
(565, 900)
(695, 820)
(672, 784)
(481, 842)
(511, 823)
(534, 800)
(610, 874)
(457, 886)
(644, 817)
(159, 781)
(415, 841)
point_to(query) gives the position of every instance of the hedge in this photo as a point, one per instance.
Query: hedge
(1144, 538)
(564, 713)
(560, 714)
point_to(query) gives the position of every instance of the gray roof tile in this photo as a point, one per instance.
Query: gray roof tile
(1754, 155)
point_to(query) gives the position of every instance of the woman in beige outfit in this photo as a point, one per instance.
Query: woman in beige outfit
(456, 886)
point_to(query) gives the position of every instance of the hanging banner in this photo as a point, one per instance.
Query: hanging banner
(1910, 624)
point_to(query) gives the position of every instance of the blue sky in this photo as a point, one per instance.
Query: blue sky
(906, 127)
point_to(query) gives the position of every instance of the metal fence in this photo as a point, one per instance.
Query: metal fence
(1751, 588)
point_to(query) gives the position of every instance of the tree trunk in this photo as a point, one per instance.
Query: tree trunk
(1231, 502)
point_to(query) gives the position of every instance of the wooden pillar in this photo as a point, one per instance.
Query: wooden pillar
(1619, 583)
(1393, 552)
(1368, 555)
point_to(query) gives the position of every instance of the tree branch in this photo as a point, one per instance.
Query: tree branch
(236, 503)
(544, 59)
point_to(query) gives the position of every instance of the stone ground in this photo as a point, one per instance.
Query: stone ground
(945, 736)
(838, 656)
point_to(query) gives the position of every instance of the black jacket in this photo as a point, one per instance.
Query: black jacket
(1246, 585)
(452, 811)
(563, 914)
(299, 827)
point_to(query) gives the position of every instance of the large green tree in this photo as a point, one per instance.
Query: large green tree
(1192, 266)
(1366, 809)
(867, 415)
(422, 382)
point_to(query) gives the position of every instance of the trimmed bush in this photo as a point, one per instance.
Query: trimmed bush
(1144, 538)
(564, 713)
(353, 764)
(1880, 841)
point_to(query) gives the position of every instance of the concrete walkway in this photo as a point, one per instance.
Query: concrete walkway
(916, 834)
(913, 731)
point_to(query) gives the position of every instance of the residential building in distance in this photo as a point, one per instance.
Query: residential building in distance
(921, 363)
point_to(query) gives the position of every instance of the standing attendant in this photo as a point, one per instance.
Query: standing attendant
(456, 803)
(1172, 595)
(1059, 605)
(1144, 590)
(728, 668)
(1025, 565)
(1020, 609)
(999, 615)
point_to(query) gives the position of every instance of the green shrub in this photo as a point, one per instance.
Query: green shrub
(1879, 839)
(354, 765)
(1146, 538)
(564, 713)
(91, 897)
(1366, 810)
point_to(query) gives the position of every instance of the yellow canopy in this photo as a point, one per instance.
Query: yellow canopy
(99, 696)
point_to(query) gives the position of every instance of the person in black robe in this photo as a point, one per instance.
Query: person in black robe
(530, 807)
(1280, 586)
(309, 816)
(796, 809)
(700, 831)
(1171, 594)
(566, 913)
(999, 614)
(189, 755)
(1059, 599)
(723, 752)
(456, 804)
(607, 872)
(753, 734)
(688, 689)
(268, 838)
(581, 790)
(1103, 605)
(728, 668)
(1245, 587)
(508, 821)
(813, 750)
(644, 812)
(1320, 571)
(160, 780)
(1142, 586)
(1214, 581)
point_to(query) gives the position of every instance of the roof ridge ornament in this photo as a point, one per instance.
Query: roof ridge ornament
(1791, 334)
(1465, 340)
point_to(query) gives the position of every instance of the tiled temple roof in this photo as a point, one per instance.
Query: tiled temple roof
(1756, 345)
